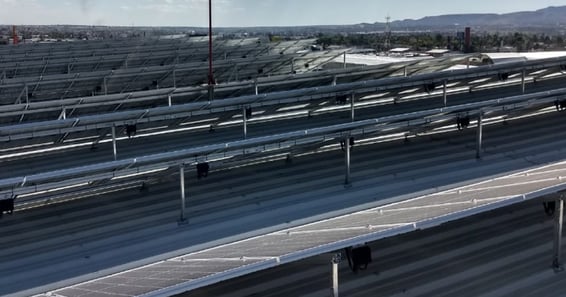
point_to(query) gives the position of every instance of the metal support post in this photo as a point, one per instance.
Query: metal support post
(445, 93)
(523, 76)
(210, 92)
(256, 87)
(345, 60)
(480, 135)
(335, 262)
(27, 93)
(334, 80)
(105, 87)
(353, 107)
(405, 72)
(68, 68)
(183, 217)
(64, 113)
(293, 66)
(245, 117)
(347, 182)
(169, 100)
(211, 80)
(558, 225)
(114, 149)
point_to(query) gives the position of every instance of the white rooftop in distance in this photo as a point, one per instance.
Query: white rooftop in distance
(438, 51)
(399, 50)
(372, 59)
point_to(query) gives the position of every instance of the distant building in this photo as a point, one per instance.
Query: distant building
(399, 51)
(437, 53)
(468, 40)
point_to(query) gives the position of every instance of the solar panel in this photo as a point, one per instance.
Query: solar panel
(190, 271)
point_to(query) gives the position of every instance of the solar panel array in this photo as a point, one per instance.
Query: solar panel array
(190, 271)
(315, 91)
(60, 72)
(49, 100)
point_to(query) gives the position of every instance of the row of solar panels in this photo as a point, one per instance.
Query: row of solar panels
(114, 61)
(88, 121)
(187, 272)
(76, 50)
(55, 87)
(120, 58)
(302, 189)
(66, 86)
(47, 110)
(46, 51)
(87, 176)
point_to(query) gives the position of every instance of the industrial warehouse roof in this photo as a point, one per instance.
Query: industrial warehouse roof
(194, 270)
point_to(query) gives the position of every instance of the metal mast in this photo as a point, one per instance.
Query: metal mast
(210, 69)
(387, 43)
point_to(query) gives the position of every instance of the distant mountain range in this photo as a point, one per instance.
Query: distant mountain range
(551, 16)
(551, 20)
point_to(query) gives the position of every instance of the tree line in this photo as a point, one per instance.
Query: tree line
(425, 41)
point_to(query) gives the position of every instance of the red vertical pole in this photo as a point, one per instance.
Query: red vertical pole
(210, 71)
(14, 35)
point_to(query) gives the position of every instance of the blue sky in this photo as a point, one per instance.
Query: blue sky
(243, 12)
